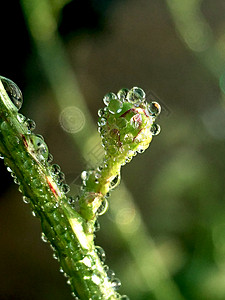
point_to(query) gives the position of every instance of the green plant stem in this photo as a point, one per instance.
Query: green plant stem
(61, 224)
(65, 87)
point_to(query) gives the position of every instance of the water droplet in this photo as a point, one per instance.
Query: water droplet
(114, 182)
(135, 95)
(30, 124)
(122, 93)
(155, 129)
(101, 253)
(21, 118)
(61, 270)
(115, 106)
(16, 181)
(97, 226)
(41, 149)
(84, 175)
(68, 282)
(65, 188)
(103, 207)
(100, 112)
(55, 169)
(33, 213)
(116, 284)
(124, 297)
(55, 256)
(108, 98)
(44, 238)
(50, 158)
(110, 273)
(8, 169)
(26, 199)
(102, 122)
(13, 92)
(154, 108)
(128, 138)
(60, 177)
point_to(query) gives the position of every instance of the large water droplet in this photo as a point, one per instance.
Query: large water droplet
(135, 95)
(110, 273)
(100, 112)
(26, 199)
(124, 297)
(116, 284)
(103, 207)
(50, 158)
(115, 106)
(21, 118)
(155, 129)
(65, 188)
(114, 182)
(30, 124)
(55, 169)
(122, 93)
(44, 238)
(101, 253)
(13, 92)
(41, 149)
(60, 177)
(154, 108)
(97, 226)
(108, 97)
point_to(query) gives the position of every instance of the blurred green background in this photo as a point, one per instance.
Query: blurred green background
(70, 53)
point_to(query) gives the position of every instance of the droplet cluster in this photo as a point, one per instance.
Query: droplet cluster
(127, 123)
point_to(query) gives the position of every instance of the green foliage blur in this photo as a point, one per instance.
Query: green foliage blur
(175, 49)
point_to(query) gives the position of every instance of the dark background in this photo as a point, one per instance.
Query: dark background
(178, 183)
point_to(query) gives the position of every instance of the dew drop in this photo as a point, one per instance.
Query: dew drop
(103, 207)
(65, 188)
(155, 129)
(114, 182)
(135, 95)
(108, 98)
(97, 226)
(9, 169)
(21, 118)
(26, 199)
(33, 213)
(13, 92)
(124, 297)
(110, 274)
(61, 270)
(154, 108)
(115, 106)
(50, 158)
(116, 284)
(30, 124)
(100, 112)
(41, 149)
(122, 93)
(55, 256)
(102, 122)
(101, 253)
(84, 175)
(60, 177)
(55, 169)
(44, 238)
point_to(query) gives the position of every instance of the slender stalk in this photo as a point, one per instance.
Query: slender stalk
(26, 156)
